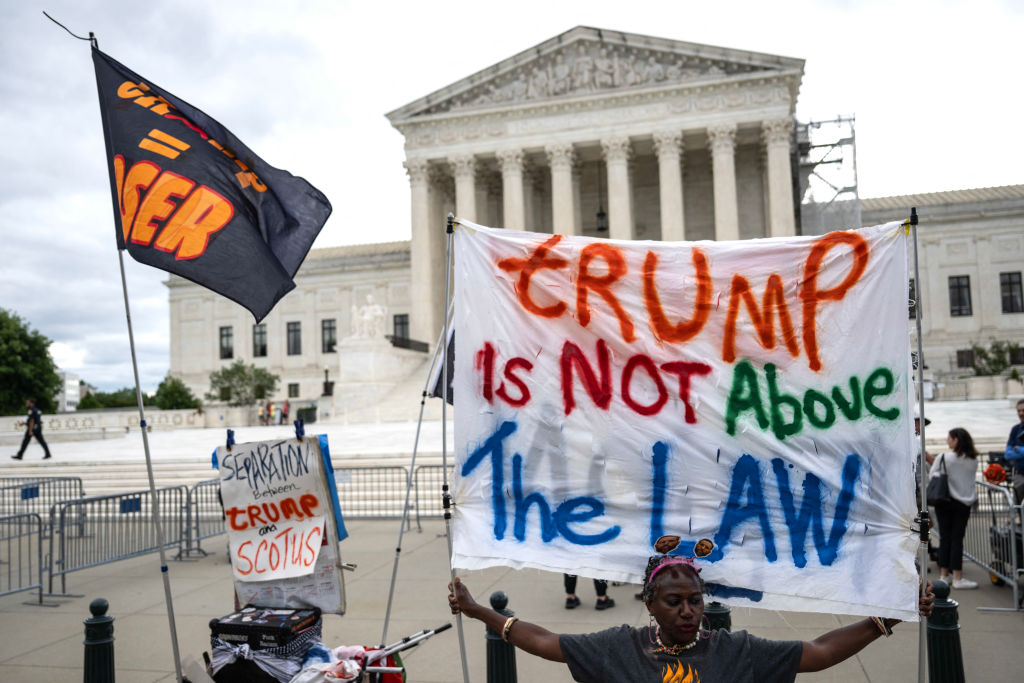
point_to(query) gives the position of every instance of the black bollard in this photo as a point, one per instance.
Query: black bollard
(945, 658)
(719, 616)
(501, 656)
(99, 644)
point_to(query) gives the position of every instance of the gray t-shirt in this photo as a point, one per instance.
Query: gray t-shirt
(625, 653)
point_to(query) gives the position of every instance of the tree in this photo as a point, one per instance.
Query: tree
(240, 384)
(173, 394)
(26, 368)
(995, 358)
(89, 402)
(122, 398)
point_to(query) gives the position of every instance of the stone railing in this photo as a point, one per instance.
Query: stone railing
(978, 388)
(107, 421)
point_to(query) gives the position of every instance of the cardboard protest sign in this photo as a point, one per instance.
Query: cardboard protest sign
(754, 393)
(283, 522)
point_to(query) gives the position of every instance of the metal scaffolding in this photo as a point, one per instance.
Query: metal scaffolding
(826, 164)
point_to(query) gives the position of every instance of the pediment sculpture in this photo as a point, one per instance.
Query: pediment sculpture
(589, 67)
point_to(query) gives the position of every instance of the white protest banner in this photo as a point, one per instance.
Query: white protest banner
(754, 393)
(283, 523)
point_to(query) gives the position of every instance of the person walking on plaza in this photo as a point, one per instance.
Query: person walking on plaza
(33, 427)
(961, 469)
(284, 412)
(270, 413)
(572, 601)
(1015, 454)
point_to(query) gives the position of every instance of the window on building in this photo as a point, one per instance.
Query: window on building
(259, 340)
(328, 335)
(227, 343)
(1010, 288)
(1017, 356)
(965, 358)
(912, 307)
(293, 390)
(225, 393)
(401, 326)
(959, 295)
(294, 339)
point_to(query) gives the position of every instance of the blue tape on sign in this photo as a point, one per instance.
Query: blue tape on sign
(29, 492)
(325, 453)
(163, 567)
(129, 505)
(142, 423)
(213, 460)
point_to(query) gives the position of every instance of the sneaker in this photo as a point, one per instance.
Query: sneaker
(15, 457)
(604, 604)
(964, 584)
(572, 603)
(46, 457)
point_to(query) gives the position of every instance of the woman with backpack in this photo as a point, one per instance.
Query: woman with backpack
(961, 468)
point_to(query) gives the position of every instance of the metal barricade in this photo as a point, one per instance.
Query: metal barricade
(993, 538)
(21, 553)
(20, 495)
(371, 492)
(204, 517)
(94, 531)
(428, 482)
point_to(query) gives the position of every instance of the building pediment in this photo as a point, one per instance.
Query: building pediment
(593, 62)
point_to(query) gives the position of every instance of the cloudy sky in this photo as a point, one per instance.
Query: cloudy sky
(933, 84)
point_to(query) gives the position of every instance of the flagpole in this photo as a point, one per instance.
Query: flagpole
(154, 505)
(408, 488)
(923, 518)
(446, 497)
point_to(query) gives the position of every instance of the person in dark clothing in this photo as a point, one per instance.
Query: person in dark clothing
(33, 427)
(572, 601)
(1015, 454)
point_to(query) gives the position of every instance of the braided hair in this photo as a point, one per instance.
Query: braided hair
(657, 562)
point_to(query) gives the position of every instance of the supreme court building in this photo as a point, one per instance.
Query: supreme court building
(605, 134)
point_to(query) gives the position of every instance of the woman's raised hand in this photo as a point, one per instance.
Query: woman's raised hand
(459, 597)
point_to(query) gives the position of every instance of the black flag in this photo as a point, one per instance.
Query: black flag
(190, 198)
(436, 381)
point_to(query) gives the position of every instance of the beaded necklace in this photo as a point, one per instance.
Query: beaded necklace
(673, 649)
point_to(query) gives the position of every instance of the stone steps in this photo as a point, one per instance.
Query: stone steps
(110, 477)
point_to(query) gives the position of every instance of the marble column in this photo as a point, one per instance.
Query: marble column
(777, 134)
(617, 153)
(464, 167)
(577, 199)
(563, 208)
(481, 209)
(513, 205)
(424, 274)
(530, 220)
(722, 139)
(668, 145)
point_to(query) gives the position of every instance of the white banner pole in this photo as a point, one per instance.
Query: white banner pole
(154, 504)
(924, 519)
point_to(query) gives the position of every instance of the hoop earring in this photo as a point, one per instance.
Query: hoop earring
(705, 626)
(652, 632)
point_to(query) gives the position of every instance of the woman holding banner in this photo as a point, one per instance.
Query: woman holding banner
(678, 644)
(961, 469)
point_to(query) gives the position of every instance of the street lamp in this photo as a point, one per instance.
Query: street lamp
(328, 384)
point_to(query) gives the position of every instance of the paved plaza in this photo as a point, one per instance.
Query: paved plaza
(44, 643)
